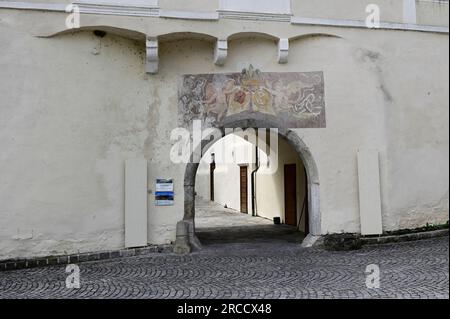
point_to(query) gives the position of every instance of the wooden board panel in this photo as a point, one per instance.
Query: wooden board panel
(135, 203)
(369, 192)
(244, 189)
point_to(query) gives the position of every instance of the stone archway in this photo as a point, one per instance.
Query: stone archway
(187, 240)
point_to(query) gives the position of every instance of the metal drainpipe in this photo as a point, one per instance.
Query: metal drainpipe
(254, 182)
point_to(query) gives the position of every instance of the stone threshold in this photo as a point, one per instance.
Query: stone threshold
(14, 264)
(404, 238)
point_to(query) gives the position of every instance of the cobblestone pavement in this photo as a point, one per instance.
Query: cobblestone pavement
(410, 270)
(221, 226)
(251, 269)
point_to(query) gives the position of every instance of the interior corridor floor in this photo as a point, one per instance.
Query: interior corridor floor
(217, 225)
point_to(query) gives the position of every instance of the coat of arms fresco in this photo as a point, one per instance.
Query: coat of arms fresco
(296, 100)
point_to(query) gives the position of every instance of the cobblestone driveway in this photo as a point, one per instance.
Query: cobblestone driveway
(410, 270)
(247, 257)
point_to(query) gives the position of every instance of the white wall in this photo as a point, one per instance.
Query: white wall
(230, 152)
(227, 186)
(66, 127)
(202, 182)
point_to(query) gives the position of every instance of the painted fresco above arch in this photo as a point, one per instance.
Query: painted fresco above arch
(286, 100)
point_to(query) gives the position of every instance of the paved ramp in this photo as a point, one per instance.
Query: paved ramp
(217, 225)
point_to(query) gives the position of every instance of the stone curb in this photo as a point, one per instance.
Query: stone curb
(404, 238)
(14, 264)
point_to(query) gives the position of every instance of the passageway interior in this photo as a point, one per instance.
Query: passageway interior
(218, 225)
(246, 193)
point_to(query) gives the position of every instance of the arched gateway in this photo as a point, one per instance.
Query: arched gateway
(186, 237)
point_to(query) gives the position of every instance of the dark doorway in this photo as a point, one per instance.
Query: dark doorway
(290, 194)
(306, 208)
(244, 189)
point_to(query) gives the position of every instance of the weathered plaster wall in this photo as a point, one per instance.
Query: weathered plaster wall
(417, 144)
(74, 107)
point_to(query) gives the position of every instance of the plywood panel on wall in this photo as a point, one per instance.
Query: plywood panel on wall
(135, 203)
(369, 192)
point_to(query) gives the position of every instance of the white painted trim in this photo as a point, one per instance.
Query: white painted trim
(124, 3)
(328, 22)
(279, 7)
(150, 11)
(33, 6)
(98, 7)
(111, 8)
(362, 24)
(223, 14)
(435, 1)
(189, 15)
(409, 12)
(89, 6)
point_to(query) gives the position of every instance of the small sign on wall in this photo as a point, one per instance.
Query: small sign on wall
(164, 192)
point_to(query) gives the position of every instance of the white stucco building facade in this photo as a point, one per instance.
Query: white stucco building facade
(76, 104)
